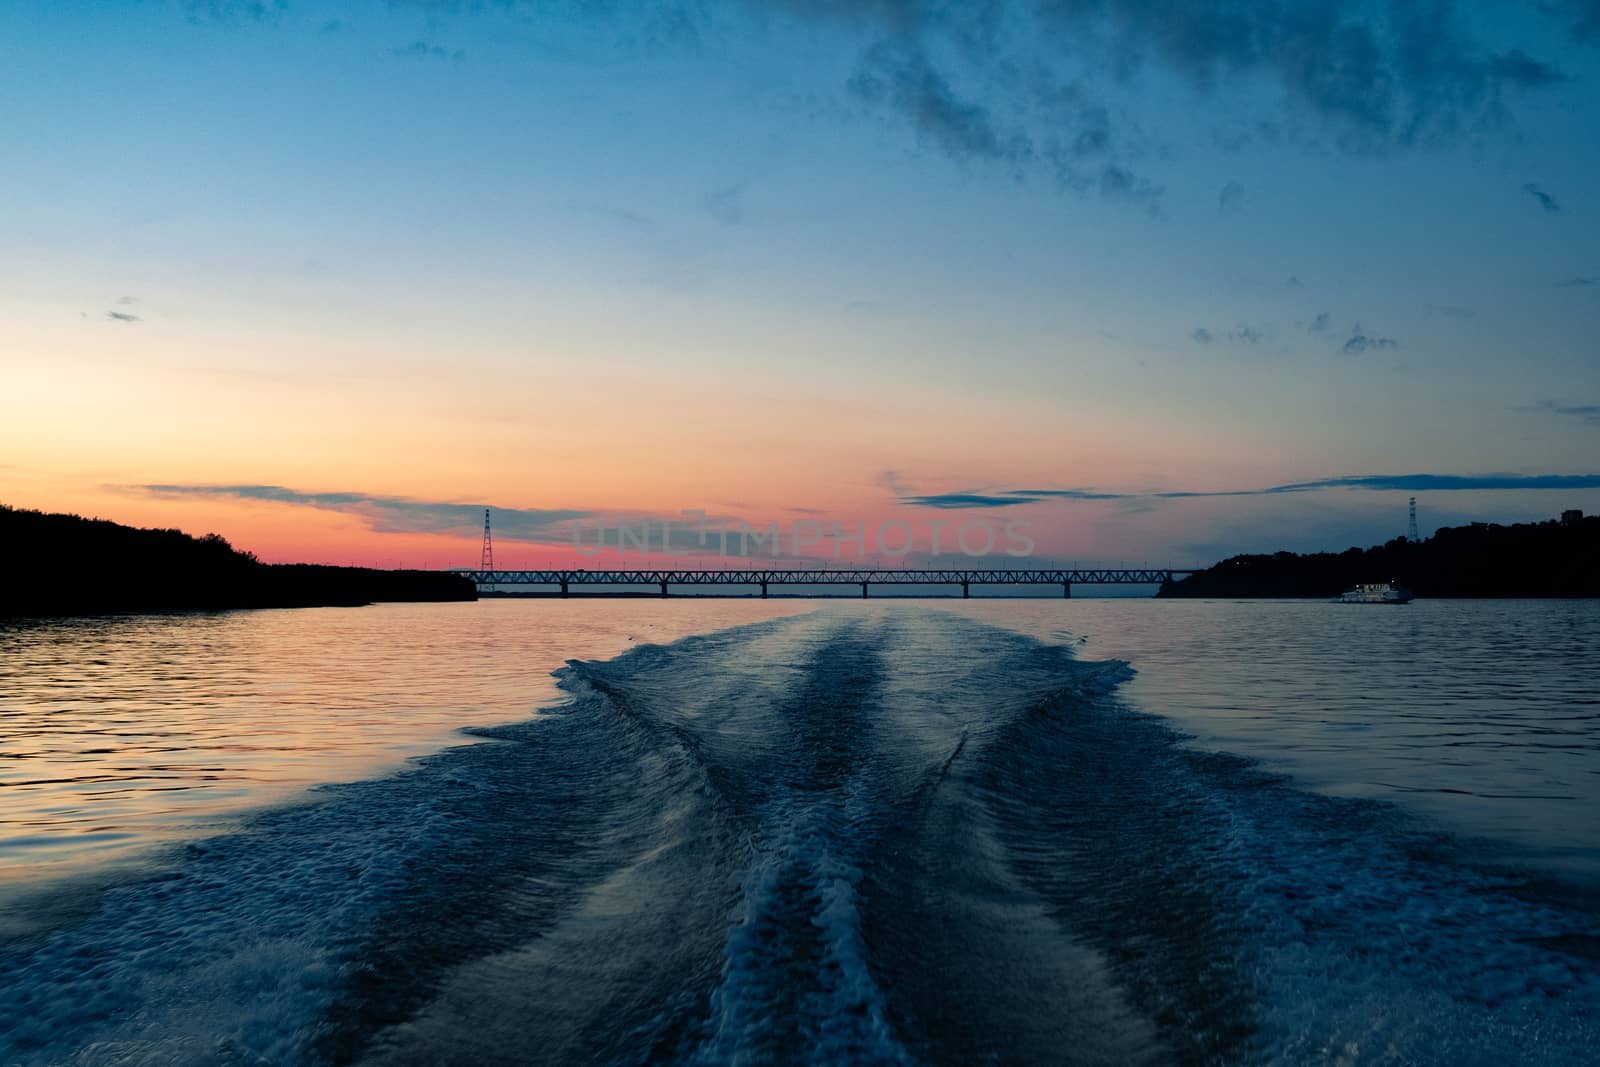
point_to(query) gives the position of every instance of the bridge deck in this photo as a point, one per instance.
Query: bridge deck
(763, 577)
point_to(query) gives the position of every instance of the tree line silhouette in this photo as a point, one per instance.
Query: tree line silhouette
(63, 564)
(1542, 559)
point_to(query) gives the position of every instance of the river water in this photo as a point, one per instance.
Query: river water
(797, 831)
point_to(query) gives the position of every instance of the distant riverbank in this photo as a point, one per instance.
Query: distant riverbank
(1560, 558)
(69, 565)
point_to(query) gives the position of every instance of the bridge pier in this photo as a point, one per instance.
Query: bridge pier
(863, 590)
(563, 588)
(663, 588)
(763, 590)
(966, 593)
(1066, 590)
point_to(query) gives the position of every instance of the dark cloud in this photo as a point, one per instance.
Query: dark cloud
(726, 205)
(1005, 499)
(1375, 78)
(540, 526)
(1414, 483)
(1231, 200)
(1113, 182)
(1029, 84)
(1319, 324)
(1577, 283)
(387, 514)
(1247, 335)
(1589, 413)
(965, 500)
(424, 50)
(1585, 18)
(1381, 76)
(1070, 494)
(1294, 282)
(1076, 144)
(899, 75)
(1442, 482)
(227, 11)
(1546, 201)
(1360, 342)
(1517, 68)
(890, 480)
(121, 316)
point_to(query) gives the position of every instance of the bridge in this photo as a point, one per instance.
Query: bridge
(663, 580)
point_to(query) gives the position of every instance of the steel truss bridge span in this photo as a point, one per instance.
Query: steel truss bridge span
(663, 580)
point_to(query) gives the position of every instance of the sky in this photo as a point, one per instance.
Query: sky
(1161, 282)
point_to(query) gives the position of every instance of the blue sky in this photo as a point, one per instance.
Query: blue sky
(1135, 248)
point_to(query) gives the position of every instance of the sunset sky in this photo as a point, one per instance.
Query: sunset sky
(1164, 281)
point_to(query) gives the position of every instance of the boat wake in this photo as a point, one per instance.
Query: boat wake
(871, 836)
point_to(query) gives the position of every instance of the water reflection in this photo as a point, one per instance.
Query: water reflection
(117, 732)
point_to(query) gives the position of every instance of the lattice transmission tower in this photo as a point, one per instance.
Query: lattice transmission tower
(488, 544)
(1411, 524)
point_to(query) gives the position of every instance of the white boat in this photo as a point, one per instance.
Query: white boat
(1377, 593)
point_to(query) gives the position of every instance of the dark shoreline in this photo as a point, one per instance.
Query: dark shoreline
(1559, 559)
(113, 569)
(299, 586)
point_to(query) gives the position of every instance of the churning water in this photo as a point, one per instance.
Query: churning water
(1081, 831)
